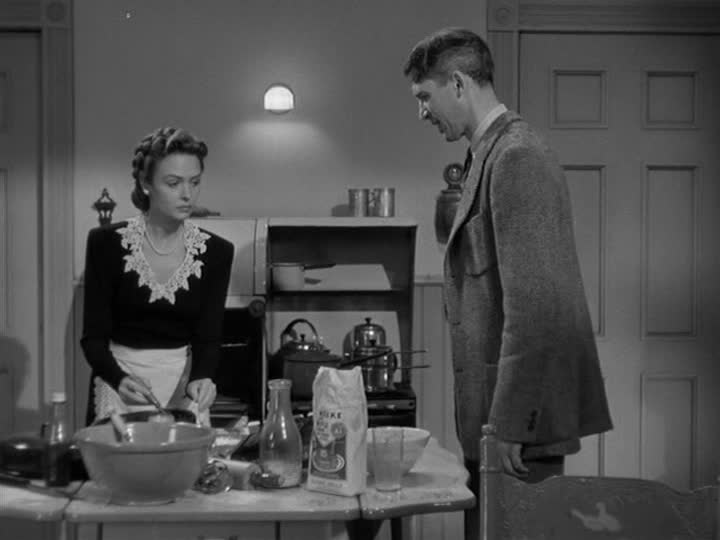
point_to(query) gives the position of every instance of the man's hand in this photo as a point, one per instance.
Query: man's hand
(202, 392)
(510, 458)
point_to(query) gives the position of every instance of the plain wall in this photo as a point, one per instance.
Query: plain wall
(205, 64)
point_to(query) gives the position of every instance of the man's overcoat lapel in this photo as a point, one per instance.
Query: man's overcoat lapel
(477, 170)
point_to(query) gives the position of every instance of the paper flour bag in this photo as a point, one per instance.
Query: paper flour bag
(337, 461)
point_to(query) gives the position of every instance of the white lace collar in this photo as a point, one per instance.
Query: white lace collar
(132, 237)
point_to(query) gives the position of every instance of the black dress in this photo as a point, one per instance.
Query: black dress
(123, 303)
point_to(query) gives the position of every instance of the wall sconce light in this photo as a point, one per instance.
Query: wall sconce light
(279, 98)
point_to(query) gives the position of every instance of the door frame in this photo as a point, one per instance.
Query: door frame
(507, 20)
(51, 20)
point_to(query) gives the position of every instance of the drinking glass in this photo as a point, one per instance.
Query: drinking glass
(386, 453)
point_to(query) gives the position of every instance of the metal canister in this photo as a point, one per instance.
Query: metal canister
(358, 201)
(382, 202)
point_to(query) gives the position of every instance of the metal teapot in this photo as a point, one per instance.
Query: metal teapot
(368, 335)
(300, 359)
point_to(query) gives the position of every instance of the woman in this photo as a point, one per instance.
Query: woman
(155, 288)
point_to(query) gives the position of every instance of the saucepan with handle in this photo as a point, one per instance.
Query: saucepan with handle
(290, 276)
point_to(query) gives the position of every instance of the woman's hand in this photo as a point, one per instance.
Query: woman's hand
(202, 392)
(133, 390)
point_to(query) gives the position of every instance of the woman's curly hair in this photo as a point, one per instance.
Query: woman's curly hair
(154, 147)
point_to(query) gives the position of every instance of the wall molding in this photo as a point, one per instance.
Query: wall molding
(609, 15)
(52, 21)
(508, 19)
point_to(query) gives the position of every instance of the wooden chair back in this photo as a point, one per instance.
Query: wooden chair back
(589, 507)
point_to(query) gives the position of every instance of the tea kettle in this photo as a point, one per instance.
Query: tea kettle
(290, 342)
(299, 359)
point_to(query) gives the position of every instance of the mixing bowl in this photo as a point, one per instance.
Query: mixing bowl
(414, 442)
(161, 463)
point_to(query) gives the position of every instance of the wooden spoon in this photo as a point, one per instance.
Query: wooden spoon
(163, 416)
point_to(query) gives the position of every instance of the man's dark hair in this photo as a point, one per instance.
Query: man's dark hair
(448, 50)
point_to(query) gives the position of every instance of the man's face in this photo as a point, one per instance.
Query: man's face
(439, 104)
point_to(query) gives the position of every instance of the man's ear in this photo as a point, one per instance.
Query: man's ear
(458, 82)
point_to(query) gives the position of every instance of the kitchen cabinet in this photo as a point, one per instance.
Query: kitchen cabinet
(367, 270)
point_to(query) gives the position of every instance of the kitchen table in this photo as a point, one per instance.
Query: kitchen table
(436, 484)
(282, 513)
(33, 511)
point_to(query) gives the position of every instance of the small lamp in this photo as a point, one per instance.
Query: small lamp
(279, 99)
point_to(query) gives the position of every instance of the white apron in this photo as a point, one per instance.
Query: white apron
(166, 371)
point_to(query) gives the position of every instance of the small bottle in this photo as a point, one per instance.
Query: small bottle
(280, 442)
(56, 464)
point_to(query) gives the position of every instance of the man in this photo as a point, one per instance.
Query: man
(524, 353)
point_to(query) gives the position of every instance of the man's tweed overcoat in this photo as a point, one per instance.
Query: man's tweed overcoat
(524, 352)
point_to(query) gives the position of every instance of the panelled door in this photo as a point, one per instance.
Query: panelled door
(20, 338)
(635, 119)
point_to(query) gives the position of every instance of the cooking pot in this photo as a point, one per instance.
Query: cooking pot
(21, 456)
(300, 359)
(379, 369)
(301, 367)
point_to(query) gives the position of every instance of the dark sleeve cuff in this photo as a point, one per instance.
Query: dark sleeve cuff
(102, 361)
(204, 360)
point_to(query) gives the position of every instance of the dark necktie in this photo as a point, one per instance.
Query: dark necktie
(468, 163)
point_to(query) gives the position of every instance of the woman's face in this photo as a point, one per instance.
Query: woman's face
(175, 187)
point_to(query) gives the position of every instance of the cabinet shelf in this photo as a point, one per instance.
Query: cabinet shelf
(349, 278)
(371, 276)
(309, 291)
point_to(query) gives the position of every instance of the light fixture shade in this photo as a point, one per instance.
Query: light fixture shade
(279, 98)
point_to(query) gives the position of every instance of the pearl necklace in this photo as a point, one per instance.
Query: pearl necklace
(165, 253)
